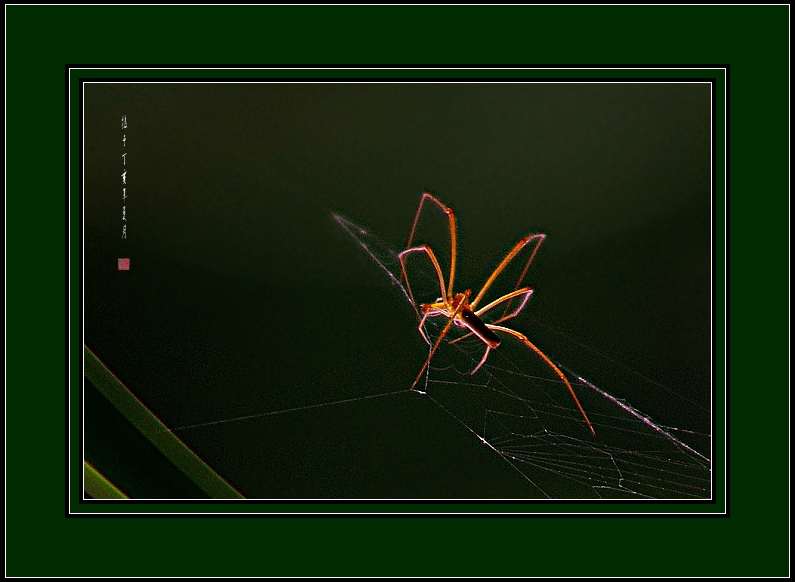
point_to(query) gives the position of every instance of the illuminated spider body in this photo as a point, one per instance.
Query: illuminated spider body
(464, 313)
(464, 317)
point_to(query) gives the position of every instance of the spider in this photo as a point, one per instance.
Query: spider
(462, 312)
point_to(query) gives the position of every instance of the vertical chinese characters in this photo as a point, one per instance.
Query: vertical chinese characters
(124, 264)
(124, 179)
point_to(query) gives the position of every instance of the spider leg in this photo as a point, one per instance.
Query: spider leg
(526, 291)
(421, 326)
(538, 239)
(482, 360)
(549, 363)
(506, 316)
(453, 239)
(429, 251)
(445, 329)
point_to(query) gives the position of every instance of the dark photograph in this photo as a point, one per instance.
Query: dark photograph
(398, 291)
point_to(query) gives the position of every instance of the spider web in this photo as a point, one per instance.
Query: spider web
(519, 408)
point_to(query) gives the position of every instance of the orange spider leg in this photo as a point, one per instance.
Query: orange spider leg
(429, 251)
(549, 362)
(522, 276)
(453, 240)
(429, 311)
(526, 291)
(508, 258)
(461, 303)
(482, 360)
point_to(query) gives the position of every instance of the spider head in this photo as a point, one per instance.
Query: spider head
(459, 297)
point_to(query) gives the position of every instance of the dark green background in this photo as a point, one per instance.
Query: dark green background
(35, 474)
(245, 297)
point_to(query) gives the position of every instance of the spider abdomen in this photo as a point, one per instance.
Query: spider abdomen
(475, 325)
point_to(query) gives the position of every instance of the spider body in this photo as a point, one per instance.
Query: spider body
(462, 312)
(464, 318)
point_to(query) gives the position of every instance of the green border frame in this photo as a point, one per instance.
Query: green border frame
(152, 429)
(43, 541)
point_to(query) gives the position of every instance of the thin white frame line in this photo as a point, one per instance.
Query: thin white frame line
(396, 81)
